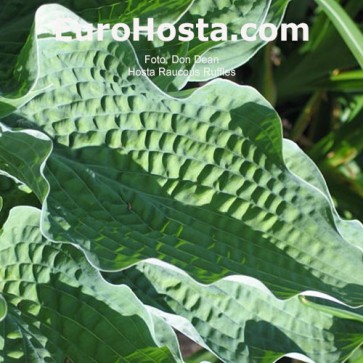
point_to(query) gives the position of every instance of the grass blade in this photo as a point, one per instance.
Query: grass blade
(346, 27)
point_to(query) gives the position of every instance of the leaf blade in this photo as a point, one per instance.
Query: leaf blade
(59, 306)
(195, 181)
(351, 34)
(238, 319)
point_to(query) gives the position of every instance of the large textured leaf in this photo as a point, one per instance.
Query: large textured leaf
(101, 10)
(303, 166)
(241, 321)
(199, 181)
(17, 16)
(59, 308)
(233, 54)
(230, 54)
(17, 149)
(14, 160)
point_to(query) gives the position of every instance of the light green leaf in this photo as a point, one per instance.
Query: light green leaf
(60, 308)
(233, 54)
(357, 357)
(16, 171)
(17, 149)
(229, 54)
(241, 321)
(16, 18)
(300, 164)
(351, 81)
(346, 27)
(199, 182)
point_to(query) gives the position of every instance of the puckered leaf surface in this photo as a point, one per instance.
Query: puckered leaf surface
(22, 155)
(233, 54)
(223, 55)
(300, 164)
(199, 182)
(16, 18)
(241, 321)
(59, 307)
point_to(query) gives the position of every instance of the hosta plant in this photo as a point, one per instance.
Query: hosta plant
(133, 207)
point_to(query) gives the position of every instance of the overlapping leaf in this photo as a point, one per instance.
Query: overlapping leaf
(17, 149)
(241, 321)
(16, 18)
(228, 54)
(16, 173)
(59, 308)
(303, 166)
(199, 182)
(233, 54)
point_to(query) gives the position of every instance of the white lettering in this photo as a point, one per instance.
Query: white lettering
(263, 31)
(67, 29)
(220, 32)
(167, 27)
(139, 29)
(125, 30)
(100, 29)
(294, 28)
(201, 25)
(244, 32)
(186, 32)
(64, 26)
(80, 30)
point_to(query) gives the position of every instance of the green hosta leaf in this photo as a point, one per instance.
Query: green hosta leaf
(233, 54)
(22, 155)
(60, 308)
(109, 11)
(3, 306)
(16, 149)
(230, 54)
(16, 17)
(241, 321)
(199, 182)
(300, 164)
